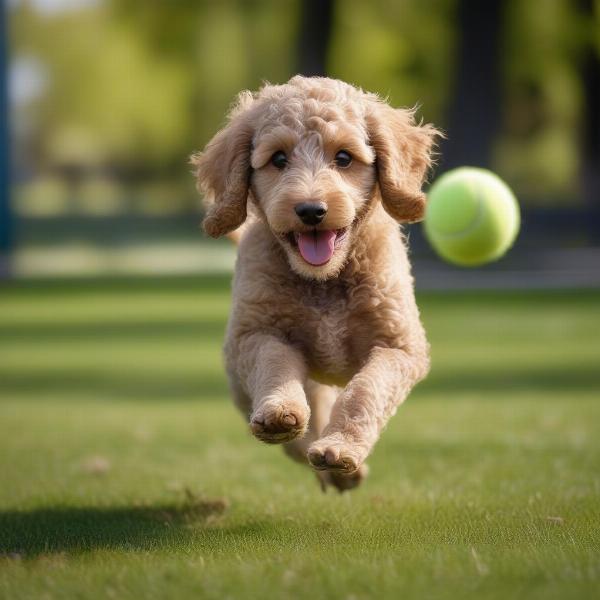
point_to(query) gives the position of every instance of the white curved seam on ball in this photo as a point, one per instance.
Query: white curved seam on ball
(476, 221)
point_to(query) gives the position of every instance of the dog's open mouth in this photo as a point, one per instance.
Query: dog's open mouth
(318, 245)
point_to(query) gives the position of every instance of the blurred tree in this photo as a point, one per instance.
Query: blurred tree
(133, 86)
(401, 50)
(108, 103)
(537, 149)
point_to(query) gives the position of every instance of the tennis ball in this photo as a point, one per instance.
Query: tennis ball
(472, 217)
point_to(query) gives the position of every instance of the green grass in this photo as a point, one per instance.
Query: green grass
(125, 472)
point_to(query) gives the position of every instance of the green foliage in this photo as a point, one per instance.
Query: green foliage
(136, 88)
(128, 473)
(401, 50)
(109, 102)
(538, 149)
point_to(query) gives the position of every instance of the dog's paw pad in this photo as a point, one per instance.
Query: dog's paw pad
(343, 481)
(289, 420)
(334, 456)
(276, 425)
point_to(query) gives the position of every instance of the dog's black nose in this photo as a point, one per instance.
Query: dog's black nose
(311, 213)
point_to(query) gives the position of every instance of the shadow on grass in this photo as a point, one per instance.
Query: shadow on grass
(99, 286)
(82, 383)
(52, 532)
(55, 530)
(196, 330)
(578, 377)
(148, 385)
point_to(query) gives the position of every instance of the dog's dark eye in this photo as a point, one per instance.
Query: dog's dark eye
(343, 159)
(279, 160)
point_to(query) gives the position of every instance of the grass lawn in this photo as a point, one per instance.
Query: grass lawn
(125, 471)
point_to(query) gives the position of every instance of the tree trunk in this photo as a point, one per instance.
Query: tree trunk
(475, 106)
(5, 209)
(590, 123)
(314, 36)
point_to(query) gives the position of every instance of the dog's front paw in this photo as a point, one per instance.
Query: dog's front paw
(278, 422)
(336, 453)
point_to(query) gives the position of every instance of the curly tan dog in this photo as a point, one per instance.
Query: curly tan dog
(313, 177)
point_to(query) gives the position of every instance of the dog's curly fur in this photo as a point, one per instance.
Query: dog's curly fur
(319, 357)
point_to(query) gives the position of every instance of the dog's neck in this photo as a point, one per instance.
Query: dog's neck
(372, 239)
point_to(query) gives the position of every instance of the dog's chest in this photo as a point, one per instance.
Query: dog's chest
(326, 331)
(335, 324)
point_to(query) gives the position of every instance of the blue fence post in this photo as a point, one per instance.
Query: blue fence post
(6, 220)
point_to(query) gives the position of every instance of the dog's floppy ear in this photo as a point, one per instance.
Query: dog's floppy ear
(223, 171)
(403, 151)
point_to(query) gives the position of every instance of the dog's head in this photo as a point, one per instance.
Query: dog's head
(313, 155)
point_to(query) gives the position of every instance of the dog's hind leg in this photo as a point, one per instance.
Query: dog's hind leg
(321, 399)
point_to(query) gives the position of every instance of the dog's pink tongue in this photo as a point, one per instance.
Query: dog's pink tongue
(317, 247)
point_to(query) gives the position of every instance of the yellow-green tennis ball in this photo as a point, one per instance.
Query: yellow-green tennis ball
(472, 217)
